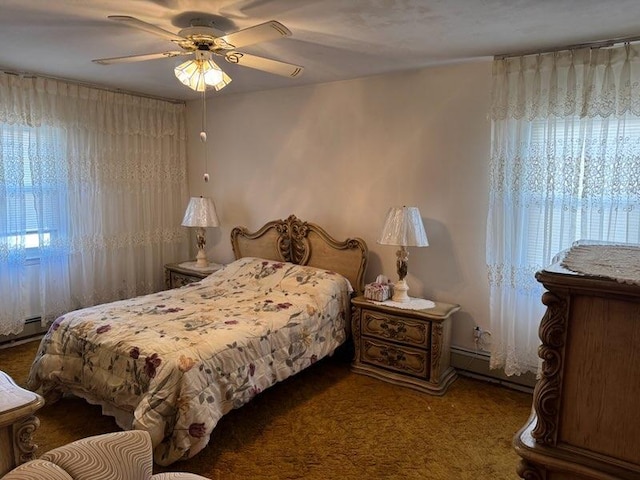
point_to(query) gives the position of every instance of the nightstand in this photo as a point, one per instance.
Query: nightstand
(405, 347)
(180, 274)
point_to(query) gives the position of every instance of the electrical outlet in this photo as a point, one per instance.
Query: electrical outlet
(481, 338)
(477, 333)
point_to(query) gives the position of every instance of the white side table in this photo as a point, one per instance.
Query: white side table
(17, 423)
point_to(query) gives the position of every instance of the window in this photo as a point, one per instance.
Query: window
(599, 170)
(565, 151)
(98, 181)
(31, 210)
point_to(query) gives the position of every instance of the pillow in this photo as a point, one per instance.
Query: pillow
(258, 274)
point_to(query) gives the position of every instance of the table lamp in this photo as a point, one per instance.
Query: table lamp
(403, 227)
(200, 213)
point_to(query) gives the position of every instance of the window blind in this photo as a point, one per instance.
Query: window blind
(604, 161)
(31, 192)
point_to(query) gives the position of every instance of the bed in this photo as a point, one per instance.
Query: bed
(174, 362)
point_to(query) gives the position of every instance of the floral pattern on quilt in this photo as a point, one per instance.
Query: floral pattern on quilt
(173, 363)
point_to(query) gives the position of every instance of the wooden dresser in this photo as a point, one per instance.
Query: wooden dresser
(585, 422)
(406, 347)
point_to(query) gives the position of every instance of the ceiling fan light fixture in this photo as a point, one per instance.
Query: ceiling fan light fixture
(201, 72)
(204, 41)
(215, 77)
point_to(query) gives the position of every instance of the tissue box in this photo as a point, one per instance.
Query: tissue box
(378, 292)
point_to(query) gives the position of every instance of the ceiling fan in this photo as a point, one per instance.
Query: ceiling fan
(204, 42)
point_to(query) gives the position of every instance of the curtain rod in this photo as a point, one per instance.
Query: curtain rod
(597, 44)
(92, 85)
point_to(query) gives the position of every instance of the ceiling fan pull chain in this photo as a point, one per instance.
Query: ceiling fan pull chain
(203, 133)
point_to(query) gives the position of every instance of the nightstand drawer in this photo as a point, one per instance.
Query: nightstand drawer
(181, 274)
(396, 357)
(180, 279)
(390, 327)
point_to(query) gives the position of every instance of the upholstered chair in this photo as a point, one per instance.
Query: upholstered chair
(120, 455)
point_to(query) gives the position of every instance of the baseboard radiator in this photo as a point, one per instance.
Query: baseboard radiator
(476, 365)
(33, 330)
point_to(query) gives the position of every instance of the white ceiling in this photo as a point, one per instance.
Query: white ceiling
(332, 39)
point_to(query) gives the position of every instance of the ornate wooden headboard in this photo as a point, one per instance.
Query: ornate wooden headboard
(303, 243)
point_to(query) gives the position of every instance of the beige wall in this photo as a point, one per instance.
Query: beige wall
(340, 154)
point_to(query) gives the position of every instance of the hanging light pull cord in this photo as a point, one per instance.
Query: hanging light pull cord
(203, 133)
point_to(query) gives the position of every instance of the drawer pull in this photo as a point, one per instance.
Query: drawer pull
(393, 357)
(393, 329)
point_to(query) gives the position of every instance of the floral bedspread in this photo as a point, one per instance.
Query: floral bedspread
(173, 363)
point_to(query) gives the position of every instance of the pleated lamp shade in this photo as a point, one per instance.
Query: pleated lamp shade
(201, 212)
(403, 227)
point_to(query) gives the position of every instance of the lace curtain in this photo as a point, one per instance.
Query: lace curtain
(564, 166)
(92, 191)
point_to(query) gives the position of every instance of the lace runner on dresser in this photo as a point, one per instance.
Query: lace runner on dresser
(412, 304)
(618, 262)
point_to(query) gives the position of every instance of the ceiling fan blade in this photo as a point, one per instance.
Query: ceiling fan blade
(147, 27)
(263, 32)
(139, 58)
(264, 64)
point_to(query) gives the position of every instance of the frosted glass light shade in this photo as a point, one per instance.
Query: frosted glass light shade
(403, 227)
(199, 74)
(201, 212)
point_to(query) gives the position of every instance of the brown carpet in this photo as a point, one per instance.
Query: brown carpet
(329, 423)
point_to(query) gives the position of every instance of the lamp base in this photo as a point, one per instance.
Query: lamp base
(400, 289)
(201, 259)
